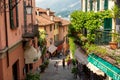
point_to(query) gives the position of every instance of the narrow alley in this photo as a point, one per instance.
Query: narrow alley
(62, 74)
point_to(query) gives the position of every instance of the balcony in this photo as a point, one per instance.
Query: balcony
(30, 31)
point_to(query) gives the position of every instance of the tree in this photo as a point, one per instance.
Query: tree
(78, 19)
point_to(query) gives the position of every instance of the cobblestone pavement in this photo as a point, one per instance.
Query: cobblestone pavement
(62, 74)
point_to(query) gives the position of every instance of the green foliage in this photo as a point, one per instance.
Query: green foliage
(42, 38)
(74, 62)
(115, 12)
(88, 20)
(42, 67)
(72, 45)
(46, 63)
(33, 76)
(74, 70)
(43, 50)
(78, 19)
(92, 48)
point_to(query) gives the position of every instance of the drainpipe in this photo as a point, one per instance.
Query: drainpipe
(6, 33)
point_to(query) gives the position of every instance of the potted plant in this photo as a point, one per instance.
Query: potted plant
(114, 42)
(33, 76)
(42, 67)
(75, 71)
(46, 63)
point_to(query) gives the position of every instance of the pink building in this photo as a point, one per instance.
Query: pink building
(14, 61)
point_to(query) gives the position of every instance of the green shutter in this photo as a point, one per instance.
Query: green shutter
(108, 24)
(91, 5)
(86, 5)
(98, 5)
(106, 4)
(107, 29)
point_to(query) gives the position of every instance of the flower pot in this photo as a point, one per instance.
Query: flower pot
(113, 45)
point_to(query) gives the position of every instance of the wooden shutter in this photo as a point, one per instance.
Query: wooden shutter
(91, 5)
(105, 4)
(108, 24)
(86, 5)
(13, 14)
(98, 5)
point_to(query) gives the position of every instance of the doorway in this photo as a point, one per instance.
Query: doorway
(15, 70)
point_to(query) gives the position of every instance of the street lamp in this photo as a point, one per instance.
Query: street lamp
(29, 8)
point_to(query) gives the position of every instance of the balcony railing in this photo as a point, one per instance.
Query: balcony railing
(30, 31)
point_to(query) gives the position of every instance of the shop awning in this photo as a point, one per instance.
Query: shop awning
(95, 69)
(81, 57)
(31, 55)
(52, 48)
(106, 67)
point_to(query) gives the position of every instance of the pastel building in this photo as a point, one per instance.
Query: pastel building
(56, 29)
(16, 29)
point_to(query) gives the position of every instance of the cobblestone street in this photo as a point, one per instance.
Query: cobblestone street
(61, 74)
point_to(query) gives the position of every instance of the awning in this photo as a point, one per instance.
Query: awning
(59, 48)
(95, 69)
(106, 67)
(31, 55)
(81, 57)
(52, 48)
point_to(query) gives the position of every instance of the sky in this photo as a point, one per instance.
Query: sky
(56, 5)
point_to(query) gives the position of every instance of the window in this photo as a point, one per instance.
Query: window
(106, 5)
(98, 5)
(45, 28)
(54, 26)
(13, 14)
(91, 5)
(86, 5)
(50, 27)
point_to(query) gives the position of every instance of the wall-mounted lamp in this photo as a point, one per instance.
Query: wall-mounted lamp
(29, 8)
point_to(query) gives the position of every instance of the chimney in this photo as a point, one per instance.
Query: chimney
(52, 18)
(48, 11)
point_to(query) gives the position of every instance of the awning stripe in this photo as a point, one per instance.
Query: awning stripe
(105, 66)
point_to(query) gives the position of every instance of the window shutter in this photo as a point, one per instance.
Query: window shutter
(108, 24)
(91, 5)
(105, 4)
(11, 15)
(98, 5)
(25, 17)
(17, 17)
(86, 5)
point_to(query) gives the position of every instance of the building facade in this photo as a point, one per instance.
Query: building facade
(56, 29)
(13, 20)
(108, 26)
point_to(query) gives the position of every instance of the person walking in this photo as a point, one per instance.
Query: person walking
(69, 63)
(63, 63)
(56, 66)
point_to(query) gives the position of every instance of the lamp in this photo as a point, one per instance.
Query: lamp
(29, 8)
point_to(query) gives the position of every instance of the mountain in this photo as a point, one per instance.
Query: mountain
(61, 7)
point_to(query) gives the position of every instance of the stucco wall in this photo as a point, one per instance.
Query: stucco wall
(15, 55)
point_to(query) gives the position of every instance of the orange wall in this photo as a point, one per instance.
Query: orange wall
(17, 54)
(2, 32)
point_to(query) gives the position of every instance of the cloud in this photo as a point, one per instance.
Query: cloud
(74, 4)
(37, 1)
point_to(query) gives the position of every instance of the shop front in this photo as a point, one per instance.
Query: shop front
(112, 72)
(86, 70)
